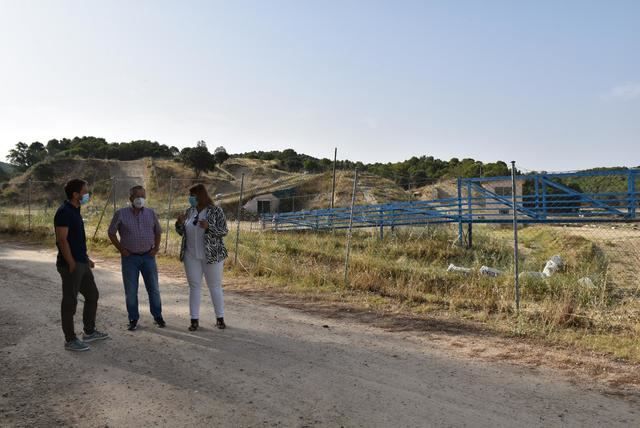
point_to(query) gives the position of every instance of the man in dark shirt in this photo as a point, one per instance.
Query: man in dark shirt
(75, 267)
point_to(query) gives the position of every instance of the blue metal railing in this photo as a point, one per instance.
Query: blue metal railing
(552, 201)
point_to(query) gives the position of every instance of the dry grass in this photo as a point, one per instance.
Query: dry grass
(408, 271)
(405, 274)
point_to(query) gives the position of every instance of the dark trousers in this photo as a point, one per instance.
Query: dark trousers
(79, 281)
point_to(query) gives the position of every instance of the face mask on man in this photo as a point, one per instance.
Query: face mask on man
(138, 202)
(193, 201)
(85, 199)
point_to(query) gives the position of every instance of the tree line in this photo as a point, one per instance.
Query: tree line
(23, 156)
(412, 173)
(409, 174)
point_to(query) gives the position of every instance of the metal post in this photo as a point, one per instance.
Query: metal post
(106, 203)
(29, 205)
(166, 237)
(238, 217)
(115, 182)
(353, 201)
(536, 182)
(470, 214)
(460, 233)
(333, 185)
(632, 194)
(515, 235)
(381, 223)
(544, 197)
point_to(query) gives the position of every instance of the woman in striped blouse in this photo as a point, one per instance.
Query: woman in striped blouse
(202, 227)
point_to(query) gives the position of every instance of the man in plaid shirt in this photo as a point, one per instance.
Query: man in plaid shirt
(140, 234)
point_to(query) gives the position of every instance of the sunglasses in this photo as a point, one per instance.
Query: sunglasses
(195, 220)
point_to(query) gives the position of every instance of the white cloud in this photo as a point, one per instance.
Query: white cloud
(628, 91)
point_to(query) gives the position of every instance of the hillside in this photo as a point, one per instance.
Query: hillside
(160, 176)
(6, 171)
(50, 175)
(7, 167)
(295, 190)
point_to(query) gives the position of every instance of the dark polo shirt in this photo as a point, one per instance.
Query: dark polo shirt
(70, 217)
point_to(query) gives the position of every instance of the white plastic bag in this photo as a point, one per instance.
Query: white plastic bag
(487, 271)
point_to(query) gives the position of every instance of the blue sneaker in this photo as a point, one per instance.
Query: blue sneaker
(76, 345)
(96, 335)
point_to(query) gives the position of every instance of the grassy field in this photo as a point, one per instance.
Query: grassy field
(406, 274)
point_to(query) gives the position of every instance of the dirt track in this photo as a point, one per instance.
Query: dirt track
(273, 367)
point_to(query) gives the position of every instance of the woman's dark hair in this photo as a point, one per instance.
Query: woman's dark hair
(73, 186)
(201, 191)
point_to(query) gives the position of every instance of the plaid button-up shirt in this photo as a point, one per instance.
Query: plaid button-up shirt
(137, 231)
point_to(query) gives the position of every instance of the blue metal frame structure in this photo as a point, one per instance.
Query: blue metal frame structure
(551, 202)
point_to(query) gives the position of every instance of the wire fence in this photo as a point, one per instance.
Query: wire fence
(461, 251)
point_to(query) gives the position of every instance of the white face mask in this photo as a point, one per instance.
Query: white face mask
(138, 202)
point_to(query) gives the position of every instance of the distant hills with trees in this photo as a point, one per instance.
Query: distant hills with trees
(411, 173)
(414, 172)
(25, 155)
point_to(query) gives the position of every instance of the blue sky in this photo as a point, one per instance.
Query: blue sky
(554, 85)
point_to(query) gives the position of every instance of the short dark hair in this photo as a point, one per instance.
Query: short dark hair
(74, 186)
(134, 188)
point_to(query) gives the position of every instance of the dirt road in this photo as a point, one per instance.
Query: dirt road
(273, 366)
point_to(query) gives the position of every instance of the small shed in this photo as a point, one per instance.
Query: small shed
(263, 204)
(269, 203)
(500, 188)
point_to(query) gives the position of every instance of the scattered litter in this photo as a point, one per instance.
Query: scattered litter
(586, 282)
(552, 266)
(532, 275)
(484, 270)
(487, 271)
(557, 260)
(459, 269)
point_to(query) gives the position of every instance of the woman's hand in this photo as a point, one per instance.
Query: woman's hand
(203, 224)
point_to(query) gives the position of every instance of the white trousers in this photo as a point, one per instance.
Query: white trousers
(194, 269)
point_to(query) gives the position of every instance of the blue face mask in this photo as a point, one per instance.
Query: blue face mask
(85, 199)
(193, 201)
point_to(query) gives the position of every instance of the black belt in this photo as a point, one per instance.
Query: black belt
(139, 254)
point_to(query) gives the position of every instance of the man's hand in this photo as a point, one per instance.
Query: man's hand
(203, 224)
(91, 264)
(124, 252)
(153, 251)
(72, 266)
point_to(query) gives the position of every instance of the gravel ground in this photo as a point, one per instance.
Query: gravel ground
(273, 366)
